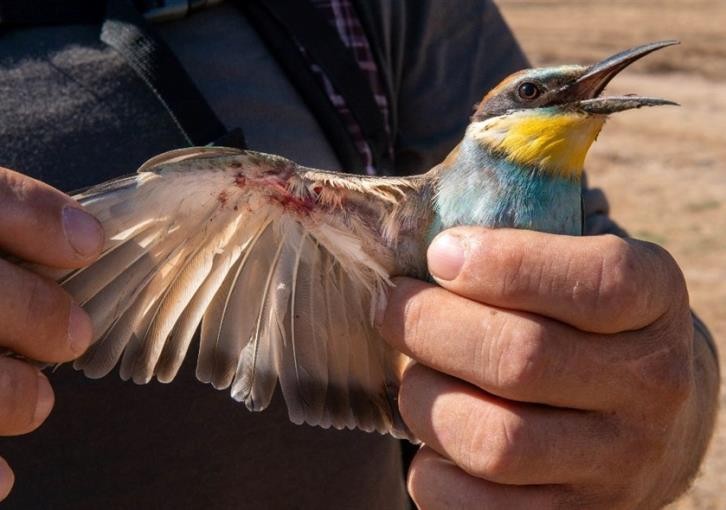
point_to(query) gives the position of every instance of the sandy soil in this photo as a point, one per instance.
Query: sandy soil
(664, 169)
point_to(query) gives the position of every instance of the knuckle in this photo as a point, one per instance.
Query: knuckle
(21, 189)
(515, 278)
(414, 402)
(417, 310)
(34, 314)
(616, 288)
(665, 373)
(406, 398)
(522, 358)
(35, 299)
(412, 316)
(18, 394)
(664, 265)
(494, 447)
(647, 442)
(20, 198)
(638, 436)
(13, 184)
(637, 282)
(42, 302)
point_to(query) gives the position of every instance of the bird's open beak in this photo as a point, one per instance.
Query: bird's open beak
(585, 91)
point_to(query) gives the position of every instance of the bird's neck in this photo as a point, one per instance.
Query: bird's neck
(477, 186)
(552, 140)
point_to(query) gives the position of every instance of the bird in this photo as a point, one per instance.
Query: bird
(282, 268)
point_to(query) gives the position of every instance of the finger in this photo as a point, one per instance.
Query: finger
(436, 483)
(601, 284)
(502, 441)
(26, 397)
(528, 358)
(39, 319)
(517, 356)
(41, 224)
(7, 479)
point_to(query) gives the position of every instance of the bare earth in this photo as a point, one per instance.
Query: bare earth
(664, 169)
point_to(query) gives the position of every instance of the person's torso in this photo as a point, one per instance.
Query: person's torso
(73, 114)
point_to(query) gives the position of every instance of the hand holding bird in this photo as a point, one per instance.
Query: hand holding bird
(285, 266)
(551, 372)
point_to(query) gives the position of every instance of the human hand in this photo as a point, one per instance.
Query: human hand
(552, 372)
(38, 319)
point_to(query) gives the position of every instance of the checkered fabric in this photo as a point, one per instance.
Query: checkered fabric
(342, 16)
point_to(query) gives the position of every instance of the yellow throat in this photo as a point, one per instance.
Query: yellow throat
(554, 141)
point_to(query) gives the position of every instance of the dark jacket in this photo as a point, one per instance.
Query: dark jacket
(72, 113)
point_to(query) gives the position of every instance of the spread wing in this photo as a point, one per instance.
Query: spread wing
(282, 266)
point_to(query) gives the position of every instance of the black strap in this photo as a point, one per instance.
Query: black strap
(126, 31)
(276, 21)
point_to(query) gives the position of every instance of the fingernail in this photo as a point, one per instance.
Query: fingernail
(80, 330)
(45, 399)
(446, 256)
(83, 231)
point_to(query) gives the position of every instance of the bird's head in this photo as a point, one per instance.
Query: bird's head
(548, 118)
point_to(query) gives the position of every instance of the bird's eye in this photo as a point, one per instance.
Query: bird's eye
(528, 91)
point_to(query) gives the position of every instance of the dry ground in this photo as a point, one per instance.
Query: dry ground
(664, 169)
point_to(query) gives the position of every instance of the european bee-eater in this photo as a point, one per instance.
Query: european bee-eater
(285, 266)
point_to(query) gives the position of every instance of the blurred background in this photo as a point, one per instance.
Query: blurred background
(663, 169)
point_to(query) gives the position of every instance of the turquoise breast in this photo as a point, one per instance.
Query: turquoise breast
(488, 190)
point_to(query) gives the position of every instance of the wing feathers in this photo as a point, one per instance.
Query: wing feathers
(86, 283)
(157, 286)
(252, 382)
(284, 287)
(227, 325)
(172, 304)
(339, 414)
(178, 343)
(304, 374)
(176, 347)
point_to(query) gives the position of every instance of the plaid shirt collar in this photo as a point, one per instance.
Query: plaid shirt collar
(342, 16)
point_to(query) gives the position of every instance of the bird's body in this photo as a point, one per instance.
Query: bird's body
(500, 179)
(285, 266)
